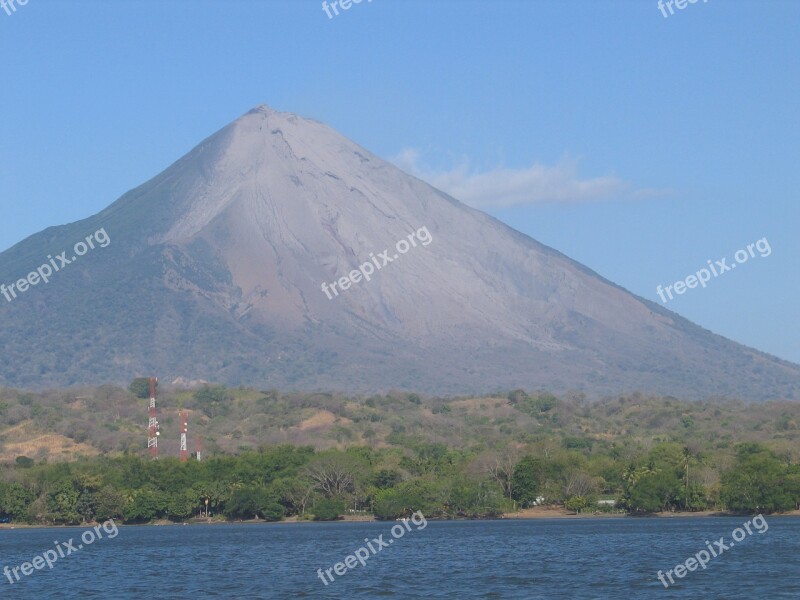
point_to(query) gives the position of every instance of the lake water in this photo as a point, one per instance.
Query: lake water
(571, 559)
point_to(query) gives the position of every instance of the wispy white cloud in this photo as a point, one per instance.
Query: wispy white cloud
(504, 187)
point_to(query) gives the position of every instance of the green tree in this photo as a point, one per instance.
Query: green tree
(62, 504)
(525, 482)
(328, 509)
(294, 494)
(212, 400)
(253, 503)
(474, 498)
(654, 492)
(758, 482)
(408, 497)
(144, 505)
(140, 387)
(180, 505)
(335, 474)
(15, 500)
(108, 504)
(210, 496)
(577, 503)
(386, 478)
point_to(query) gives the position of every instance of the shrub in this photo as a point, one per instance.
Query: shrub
(328, 509)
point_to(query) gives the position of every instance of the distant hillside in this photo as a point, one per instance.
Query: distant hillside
(65, 425)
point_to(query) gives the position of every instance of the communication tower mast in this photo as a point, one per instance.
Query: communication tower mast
(184, 429)
(153, 433)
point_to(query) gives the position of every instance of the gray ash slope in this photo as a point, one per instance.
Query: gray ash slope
(215, 267)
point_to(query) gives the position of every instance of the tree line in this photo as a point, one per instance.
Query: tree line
(280, 481)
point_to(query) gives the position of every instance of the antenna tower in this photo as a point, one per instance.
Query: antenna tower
(184, 429)
(152, 430)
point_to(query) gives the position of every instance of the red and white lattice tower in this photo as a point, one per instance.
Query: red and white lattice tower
(153, 433)
(184, 429)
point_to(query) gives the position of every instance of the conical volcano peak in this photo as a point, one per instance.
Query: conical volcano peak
(269, 165)
(278, 252)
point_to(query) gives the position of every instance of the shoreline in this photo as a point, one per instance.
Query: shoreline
(538, 512)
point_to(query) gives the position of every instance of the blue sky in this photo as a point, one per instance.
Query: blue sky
(639, 145)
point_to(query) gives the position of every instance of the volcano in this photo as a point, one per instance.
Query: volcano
(245, 262)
